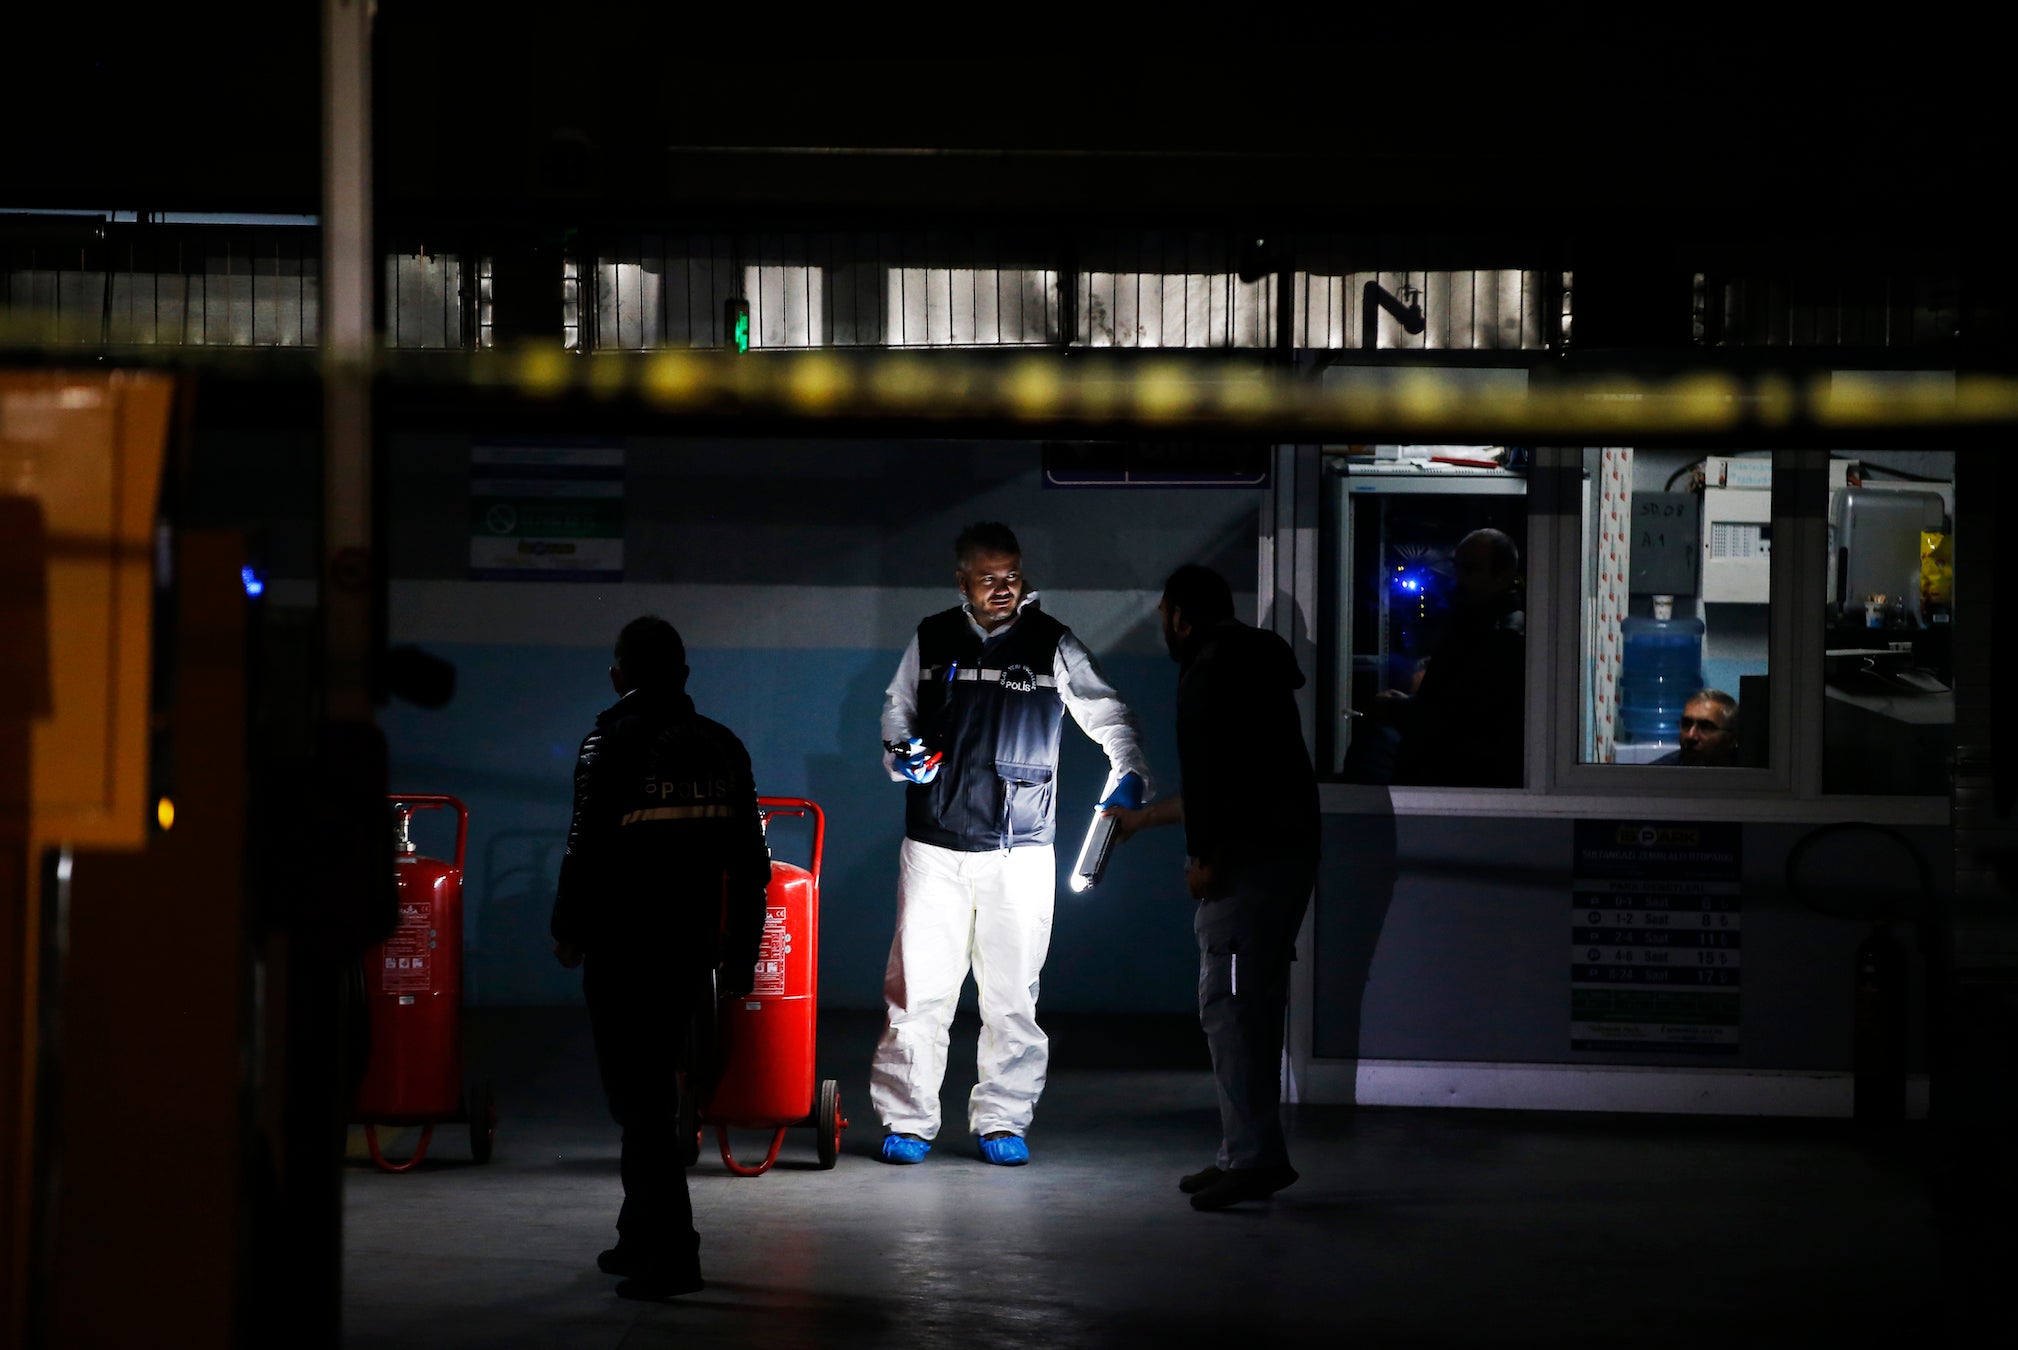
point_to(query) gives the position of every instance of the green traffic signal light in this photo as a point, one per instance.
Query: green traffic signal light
(736, 320)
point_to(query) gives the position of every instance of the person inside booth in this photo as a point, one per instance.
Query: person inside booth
(1708, 731)
(1463, 724)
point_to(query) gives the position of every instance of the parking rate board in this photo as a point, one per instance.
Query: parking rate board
(1656, 938)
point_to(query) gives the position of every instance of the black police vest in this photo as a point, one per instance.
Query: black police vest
(993, 707)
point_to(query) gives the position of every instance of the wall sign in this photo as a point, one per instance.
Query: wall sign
(1655, 937)
(546, 513)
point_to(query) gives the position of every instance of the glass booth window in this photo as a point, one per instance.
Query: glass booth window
(1428, 678)
(1888, 708)
(1676, 575)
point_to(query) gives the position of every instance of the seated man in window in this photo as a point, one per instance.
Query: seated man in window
(1709, 731)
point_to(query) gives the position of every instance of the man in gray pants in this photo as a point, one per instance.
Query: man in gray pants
(1249, 810)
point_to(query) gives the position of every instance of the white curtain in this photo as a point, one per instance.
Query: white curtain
(1614, 566)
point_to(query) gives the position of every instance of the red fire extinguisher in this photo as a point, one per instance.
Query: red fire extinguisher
(765, 1065)
(413, 1001)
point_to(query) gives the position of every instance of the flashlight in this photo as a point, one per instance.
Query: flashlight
(1093, 854)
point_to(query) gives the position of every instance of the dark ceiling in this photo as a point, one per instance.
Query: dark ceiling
(570, 113)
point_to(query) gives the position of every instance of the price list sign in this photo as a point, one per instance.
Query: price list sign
(1656, 938)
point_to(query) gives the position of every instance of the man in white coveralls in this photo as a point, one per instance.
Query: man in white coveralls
(971, 721)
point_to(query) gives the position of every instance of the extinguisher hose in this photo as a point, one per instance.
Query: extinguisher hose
(746, 1169)
(419, 1152)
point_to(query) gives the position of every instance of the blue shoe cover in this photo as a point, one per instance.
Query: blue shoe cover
(1008, 1151)
(899, 1148)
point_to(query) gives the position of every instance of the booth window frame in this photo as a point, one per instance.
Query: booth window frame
(1789, 788)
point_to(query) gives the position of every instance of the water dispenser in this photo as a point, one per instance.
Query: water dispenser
(1662, 665)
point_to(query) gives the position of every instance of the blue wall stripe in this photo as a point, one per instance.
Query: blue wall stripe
(506, 746)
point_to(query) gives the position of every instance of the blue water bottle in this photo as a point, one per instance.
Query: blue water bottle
(1661, 667)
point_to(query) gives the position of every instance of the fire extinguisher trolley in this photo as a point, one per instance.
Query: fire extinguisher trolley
(765, 1065)
(413, 1002)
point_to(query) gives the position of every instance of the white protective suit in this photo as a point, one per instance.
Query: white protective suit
(988, 910)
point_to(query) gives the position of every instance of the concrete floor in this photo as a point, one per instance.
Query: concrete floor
(1410, 1227)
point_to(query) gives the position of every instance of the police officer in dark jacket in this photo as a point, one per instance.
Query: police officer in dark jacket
(1249, 810)
(661, 894)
